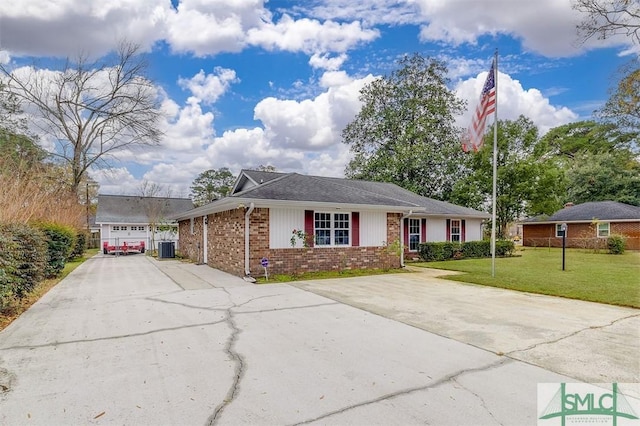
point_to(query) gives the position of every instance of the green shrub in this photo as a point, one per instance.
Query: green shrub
(23, 259)
(432, 252)
(505, 248)
(616, 244)
(8, 249)
(439, 251)
(80, 245)
(476, 249)
(60, 241)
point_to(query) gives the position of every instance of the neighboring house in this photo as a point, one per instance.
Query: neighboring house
(348, 224)
(588, 226)
(131, 219)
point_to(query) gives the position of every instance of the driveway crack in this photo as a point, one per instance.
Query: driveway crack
(482, 401)
(575, 333)
(444, 380)
(240, 363)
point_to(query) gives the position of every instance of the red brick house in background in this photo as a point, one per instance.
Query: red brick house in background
(347, 224)
(588, 226)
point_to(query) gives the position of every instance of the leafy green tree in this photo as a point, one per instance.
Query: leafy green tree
(598, 160)
(211, 185)
(603, 176)
(568, 140)
(405, 131)
(525, 184)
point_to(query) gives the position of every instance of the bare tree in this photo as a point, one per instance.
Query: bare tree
(91, 110)
(155, 204)
(606, 18)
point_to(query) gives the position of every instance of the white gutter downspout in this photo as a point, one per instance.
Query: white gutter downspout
(247, 271)
(402, 237)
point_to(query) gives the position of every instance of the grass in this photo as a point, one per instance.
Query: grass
(283, 278)
(13, 311)
(595, 277)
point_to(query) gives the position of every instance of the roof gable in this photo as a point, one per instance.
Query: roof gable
(251, 178)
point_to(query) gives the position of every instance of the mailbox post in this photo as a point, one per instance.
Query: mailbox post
(563, 228)
(265, 264)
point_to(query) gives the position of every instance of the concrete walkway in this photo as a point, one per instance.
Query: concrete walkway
(130, 340)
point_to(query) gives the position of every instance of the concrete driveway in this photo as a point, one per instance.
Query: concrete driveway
(589, 341)
(130, 340)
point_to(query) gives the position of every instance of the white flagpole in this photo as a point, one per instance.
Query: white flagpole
(495, 168)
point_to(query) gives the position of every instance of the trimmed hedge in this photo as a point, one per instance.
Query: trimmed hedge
(60, 242)
(23, 259)
(80, 245)
(432, 252)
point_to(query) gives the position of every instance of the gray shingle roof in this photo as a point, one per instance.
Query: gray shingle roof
(136, 209)
(297, 187)
(601, 210)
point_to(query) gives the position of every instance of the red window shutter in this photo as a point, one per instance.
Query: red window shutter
(463, 231)
(355, 229)
(448, 229)
(308, 226)
(423, 231)
(406, 232)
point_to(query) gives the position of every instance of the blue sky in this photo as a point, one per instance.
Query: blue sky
(252, 82)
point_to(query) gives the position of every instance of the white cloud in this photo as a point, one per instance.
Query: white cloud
(209, 87)
(325, 61)
(115, 181)
(79, 26)
(309, 35)
(514, 100)
(311, 124)
(544, 26)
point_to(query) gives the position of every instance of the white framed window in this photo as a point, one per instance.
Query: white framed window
(134, 228)
(332, 229)
(123, 228)
(414, 234)
(559, 230)
(115, 228)
(604, 229)
(140, 228)
(456, 230)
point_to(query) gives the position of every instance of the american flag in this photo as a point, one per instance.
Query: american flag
(486, 106)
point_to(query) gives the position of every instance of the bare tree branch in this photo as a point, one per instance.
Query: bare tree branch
(607, 18)
(91, 110)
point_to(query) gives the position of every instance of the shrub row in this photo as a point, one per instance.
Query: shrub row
(431, 252)
(30, 253)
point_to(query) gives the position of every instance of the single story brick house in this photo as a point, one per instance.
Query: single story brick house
(303, 223)
(588, 226)
(130, 219)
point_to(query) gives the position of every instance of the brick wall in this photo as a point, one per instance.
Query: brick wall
(226, 247)
(190, 244)
(313, 259)
(579, 235)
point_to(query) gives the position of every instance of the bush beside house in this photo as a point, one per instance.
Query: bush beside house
(431, 252)
(30, 253)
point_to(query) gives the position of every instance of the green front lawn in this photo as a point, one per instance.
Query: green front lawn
(596, 277)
